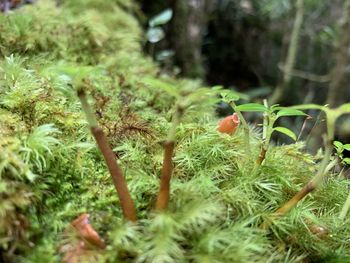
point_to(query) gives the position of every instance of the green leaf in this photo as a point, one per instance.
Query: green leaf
(286, 131)
(202, 95)
(276, 107)
(30, 176)
(339, 147)
(346, 147)
(345, 108)
(255, 92)
(73, 71)
(338, 144)
(155, 34)
(82, 145)
(346, 160)
(158, 84)
(290, 112)
(309, 107)
(229, 95)
(252, 107)
(217, 87)
(162, 18)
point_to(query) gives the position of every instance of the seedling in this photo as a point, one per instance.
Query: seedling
(184, 99)
(340, 148)
(271, 115)
(331, 116)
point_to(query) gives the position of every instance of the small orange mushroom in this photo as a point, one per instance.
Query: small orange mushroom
(229, 124)
(86, 231)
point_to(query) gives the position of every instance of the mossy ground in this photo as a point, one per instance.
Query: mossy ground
(51, 170)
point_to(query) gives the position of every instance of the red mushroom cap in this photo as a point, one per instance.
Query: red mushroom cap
(229, 124)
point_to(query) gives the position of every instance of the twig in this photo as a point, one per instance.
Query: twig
(310, 186)
(306, 75)
(303, 126)
(292, 53)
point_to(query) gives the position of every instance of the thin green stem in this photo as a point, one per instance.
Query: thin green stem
(245, 127)
(265, 121)
(174, 124)
(240, 115)
(90, 117)
(269, 122)
(269, 133)
(345, 209)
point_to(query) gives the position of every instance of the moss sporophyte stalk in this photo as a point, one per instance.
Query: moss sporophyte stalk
(126, 202)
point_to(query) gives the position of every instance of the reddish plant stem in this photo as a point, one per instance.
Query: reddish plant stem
(308, 188)
(167, 169)
(119, 182)
(311, 185)
(262, 155)
(164, 192)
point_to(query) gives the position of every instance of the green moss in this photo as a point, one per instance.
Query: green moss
(51, 171)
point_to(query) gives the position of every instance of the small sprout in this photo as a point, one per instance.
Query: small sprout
(185, 98)
(340, 148)
(228, 96)
(332, 115)
(271, 115)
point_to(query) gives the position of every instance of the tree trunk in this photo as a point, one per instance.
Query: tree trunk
(337, 88)
(188, 26)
